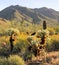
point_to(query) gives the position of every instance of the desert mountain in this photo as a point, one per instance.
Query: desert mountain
(19, 13)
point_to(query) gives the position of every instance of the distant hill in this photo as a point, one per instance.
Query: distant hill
(19, 13)
(48, 12)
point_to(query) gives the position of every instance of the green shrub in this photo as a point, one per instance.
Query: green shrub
(48, 59)
(12, 60)
(20, 46)
(4, 49)
(3, 61)
(15, 60)
(53, 45)
(28, 55)
(48, 44)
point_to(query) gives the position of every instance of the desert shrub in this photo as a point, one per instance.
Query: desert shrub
(15, 60)
(48, 59)
(12, 60)
(53, 45)
(51, 31)
(48, 46)
(4, 52)
(28, 55)
(20, 46)
(4, 49)
(3, 61)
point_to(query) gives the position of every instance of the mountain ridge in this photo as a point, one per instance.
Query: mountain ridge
(36, 15)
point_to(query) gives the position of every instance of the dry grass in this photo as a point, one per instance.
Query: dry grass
(53, 58)
(51, 54)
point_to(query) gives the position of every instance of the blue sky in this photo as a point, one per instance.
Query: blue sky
(54, 4)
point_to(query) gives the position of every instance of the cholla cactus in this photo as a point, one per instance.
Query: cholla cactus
(12, 32)
(44, 25)
(40, 33)
(43, 34)
(29, 39)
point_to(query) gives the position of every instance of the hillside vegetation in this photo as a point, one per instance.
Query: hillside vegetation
(18, 26)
